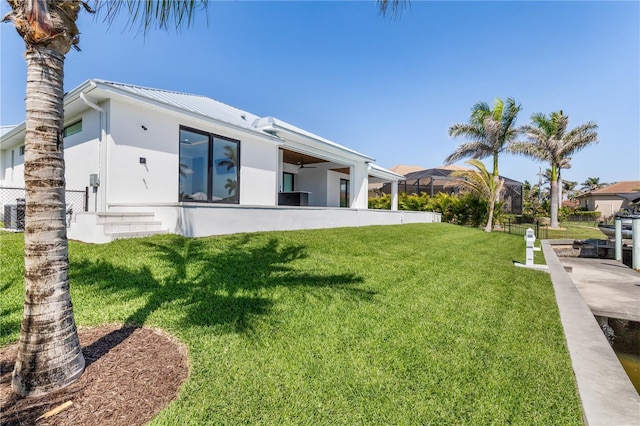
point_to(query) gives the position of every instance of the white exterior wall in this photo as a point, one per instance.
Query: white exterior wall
(12, 174)
(157, 181)
(258, 172)
(200, 220)
(127, 180)
(315, 182)
(333, 188)
(81, 155)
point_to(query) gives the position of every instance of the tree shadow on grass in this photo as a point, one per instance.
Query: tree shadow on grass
(209, 283)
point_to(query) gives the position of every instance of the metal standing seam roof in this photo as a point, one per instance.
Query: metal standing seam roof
(197, 104)
(6, 129)
(210, 108)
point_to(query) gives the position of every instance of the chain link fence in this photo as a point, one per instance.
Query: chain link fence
(12, 205)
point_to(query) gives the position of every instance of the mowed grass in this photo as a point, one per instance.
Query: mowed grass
(577, 231)
(411, 324)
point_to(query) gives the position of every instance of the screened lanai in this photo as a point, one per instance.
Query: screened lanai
(439, 180)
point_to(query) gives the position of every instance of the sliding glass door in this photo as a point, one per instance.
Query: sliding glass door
(209, 167)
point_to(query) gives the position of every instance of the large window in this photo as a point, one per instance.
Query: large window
(209, 167)
(344, 193)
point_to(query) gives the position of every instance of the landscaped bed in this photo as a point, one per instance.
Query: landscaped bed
(411, 324)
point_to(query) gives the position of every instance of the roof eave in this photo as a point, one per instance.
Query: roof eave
(276, 127)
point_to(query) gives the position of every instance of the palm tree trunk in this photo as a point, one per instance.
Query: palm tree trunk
(492, 201)
(49, 353)
(554, 203)
(489, 225)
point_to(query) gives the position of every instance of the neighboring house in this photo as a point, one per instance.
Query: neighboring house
(199, 167)
(439, 179)
(375, 189)
(610, 199)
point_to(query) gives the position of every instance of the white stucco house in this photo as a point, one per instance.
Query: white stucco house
(155, 160)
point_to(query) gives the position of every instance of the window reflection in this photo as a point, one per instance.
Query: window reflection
(208, 167)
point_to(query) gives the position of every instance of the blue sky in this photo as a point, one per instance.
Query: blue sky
(389, 88)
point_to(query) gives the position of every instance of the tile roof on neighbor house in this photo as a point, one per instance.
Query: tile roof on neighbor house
(403, 169)
(626, 186)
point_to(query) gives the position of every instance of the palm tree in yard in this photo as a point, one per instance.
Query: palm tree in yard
(49, 354)
(591, 184)
(490, 132)
(481, 182)
(550, 141)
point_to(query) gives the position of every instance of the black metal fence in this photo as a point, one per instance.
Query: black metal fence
(520, 228)
(12, 205)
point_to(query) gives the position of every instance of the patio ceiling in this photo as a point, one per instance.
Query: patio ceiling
(292, 157)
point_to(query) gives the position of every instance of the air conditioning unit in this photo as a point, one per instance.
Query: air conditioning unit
(11, 216)
(14, 215)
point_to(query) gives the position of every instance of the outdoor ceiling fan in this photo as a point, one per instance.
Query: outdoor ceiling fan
(302, 166)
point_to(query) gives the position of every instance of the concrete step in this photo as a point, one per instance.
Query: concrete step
(134, 234)
(150, 225)
(110, 217)
(103, 227)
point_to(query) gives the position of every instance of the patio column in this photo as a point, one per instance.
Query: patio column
(359, 181)
(394, 196)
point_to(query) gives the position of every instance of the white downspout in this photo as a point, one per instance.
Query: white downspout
(102, 155)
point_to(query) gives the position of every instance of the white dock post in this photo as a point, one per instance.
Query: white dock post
(618, 223)
(635, 234)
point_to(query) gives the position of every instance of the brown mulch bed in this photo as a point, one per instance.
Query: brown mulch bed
(131, 374)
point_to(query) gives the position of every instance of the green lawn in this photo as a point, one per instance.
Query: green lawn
(411, 324)
(577, 231)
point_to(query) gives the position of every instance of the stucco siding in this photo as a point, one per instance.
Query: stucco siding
(129, 180)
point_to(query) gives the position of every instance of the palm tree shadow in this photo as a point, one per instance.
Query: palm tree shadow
(211, 284)
(104, 344)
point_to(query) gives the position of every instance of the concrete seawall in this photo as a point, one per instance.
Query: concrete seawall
(608, 396)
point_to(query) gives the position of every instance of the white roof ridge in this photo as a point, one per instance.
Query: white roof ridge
(136, 86)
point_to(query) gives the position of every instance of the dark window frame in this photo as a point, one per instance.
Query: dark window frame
(347, 193)
(293, 180)
(210, 166)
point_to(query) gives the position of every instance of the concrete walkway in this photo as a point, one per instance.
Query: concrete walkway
(610, 288)
(606, 393)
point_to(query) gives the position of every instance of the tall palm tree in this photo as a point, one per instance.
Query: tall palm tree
(490, 132)
(591, 184)
(49, 354)
(565, 164)
(550, 141)
(481, 182)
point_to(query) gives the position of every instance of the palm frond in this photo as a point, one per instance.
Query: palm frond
(392, 7)
(153, 14)
(580, 137)
(527, 149)
(468, 149)
(480, 180)
(470, 131)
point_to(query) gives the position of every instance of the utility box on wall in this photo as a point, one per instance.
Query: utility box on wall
(94, 182)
